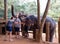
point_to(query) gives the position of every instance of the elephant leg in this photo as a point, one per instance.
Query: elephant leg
(51, 35)
(26, 31)
(23, 32)
(34, 33)
(22, 29)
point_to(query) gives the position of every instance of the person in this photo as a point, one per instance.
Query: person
(17, 26)
(9, 26)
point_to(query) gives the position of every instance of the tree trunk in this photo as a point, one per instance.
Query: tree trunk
(43, 19)
(5, 13)
(5, 10)
(38, 16)
(59, 30)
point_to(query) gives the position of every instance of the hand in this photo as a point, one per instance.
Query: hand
(16, 22)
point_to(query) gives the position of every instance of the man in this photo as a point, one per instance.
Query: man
(17, 25)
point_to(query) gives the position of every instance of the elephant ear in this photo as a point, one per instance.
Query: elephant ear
(12, 11)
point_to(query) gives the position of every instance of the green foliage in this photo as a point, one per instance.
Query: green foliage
(1, 12)
(54, 10)
(30, 7)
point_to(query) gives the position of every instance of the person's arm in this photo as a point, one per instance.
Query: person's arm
(15, 22)
(19, 23)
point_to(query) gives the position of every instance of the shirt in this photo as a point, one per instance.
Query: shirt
(17, 22)
(10, 22)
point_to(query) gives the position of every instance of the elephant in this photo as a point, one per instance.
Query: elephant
(31, 24)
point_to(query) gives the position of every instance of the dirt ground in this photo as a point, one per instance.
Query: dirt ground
(23, 40)
(28, 40)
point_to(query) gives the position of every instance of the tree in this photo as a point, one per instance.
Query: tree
(54, 10)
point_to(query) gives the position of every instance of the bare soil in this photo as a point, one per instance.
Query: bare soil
(29, 40)
(23, 40)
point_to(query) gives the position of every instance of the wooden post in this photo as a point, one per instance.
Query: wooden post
(59, 30)
(5, 10)
(47, 31)
(0, 29)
